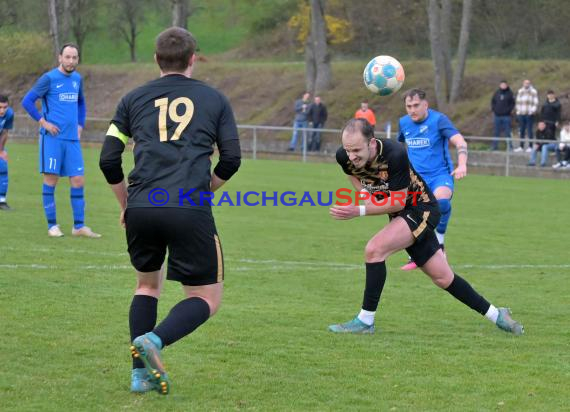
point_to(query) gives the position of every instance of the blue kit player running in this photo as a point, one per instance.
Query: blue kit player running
(6, 123)
(427, 134)
(61, 123)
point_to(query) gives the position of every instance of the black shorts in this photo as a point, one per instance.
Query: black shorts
(422, 221)
(194, 250)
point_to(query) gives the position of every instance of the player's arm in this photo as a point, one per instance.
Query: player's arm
(3, 140)
(461, 145)
(228, 146)
(110, 163)
(29, 104)
(81, 111)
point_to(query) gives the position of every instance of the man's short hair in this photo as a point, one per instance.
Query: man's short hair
(550, 92)
(4, 98)
(359, 125)
(504, 81)
(415, 92)
(174, 48)
(62, 48)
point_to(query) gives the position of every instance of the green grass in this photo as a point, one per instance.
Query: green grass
(105, 46)
(290, 271)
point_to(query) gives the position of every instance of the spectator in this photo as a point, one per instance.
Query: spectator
(502, 105)
(550, 112)
(542, 133)
(563, 149)
(365, 113)
(526, 105)
(301, 119)
(317, 116)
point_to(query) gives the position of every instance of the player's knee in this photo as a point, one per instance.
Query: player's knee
(50, 180)
(77, 181)
(150, 287)
(442, 280)
(375, 251)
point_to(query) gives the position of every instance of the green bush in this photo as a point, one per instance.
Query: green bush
(24, 53)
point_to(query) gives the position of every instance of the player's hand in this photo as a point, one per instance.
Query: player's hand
(460, 172)
(4, 155)
(50, 127)
(344, 212)
(122, 219)
(79, 130)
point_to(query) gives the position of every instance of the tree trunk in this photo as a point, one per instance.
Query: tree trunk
(462, 50)
(133, 42)
(310, 67)
(445, 31)
(317, 57)
(436, 52)
(180, 13)
(53, 28)
(66, 21)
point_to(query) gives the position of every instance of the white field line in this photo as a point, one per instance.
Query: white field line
(273, 262)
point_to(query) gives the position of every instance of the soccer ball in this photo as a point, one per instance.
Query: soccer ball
(384, 75)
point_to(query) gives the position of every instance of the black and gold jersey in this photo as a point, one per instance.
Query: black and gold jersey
(174, 121)
(389, 171)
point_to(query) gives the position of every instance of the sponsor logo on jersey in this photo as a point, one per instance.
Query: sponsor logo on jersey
(417, 142)
(75, 85)
(68, 97)
(423, 128)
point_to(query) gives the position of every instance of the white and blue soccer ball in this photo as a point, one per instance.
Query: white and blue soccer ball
(384, 75)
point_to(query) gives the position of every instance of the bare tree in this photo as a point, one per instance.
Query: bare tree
(434, 19)
(439, 17)
(66, 20)
(445, 32)
(131, 14)
(53, 27)
(461, 50)
(82, 19)
(180, 13)
(317, 58)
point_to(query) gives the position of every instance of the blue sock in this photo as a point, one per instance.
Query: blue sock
(445, 209)
(3, 180)
(48, 195)
(78, 206)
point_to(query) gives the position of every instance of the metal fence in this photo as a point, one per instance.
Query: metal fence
(274, 141)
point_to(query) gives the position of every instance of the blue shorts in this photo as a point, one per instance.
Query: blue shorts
(436, 181)
(60, 157)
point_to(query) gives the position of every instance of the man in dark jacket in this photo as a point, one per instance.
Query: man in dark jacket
(543, 133)
(550, 112)
(502, 104)
(318, 116)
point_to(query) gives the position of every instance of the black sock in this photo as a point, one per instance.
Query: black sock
(182, 320)
(461, 290)
(142, 318)
(375, 279)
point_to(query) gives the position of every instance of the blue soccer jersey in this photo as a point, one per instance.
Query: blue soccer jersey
(62, 101)
(7, 121)
(428, 143)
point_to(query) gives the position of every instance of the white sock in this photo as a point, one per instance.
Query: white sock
(2, 200)
(366, 316)
(492, 314)
(440, 237)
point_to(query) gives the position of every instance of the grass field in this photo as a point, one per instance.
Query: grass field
(291, 271)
